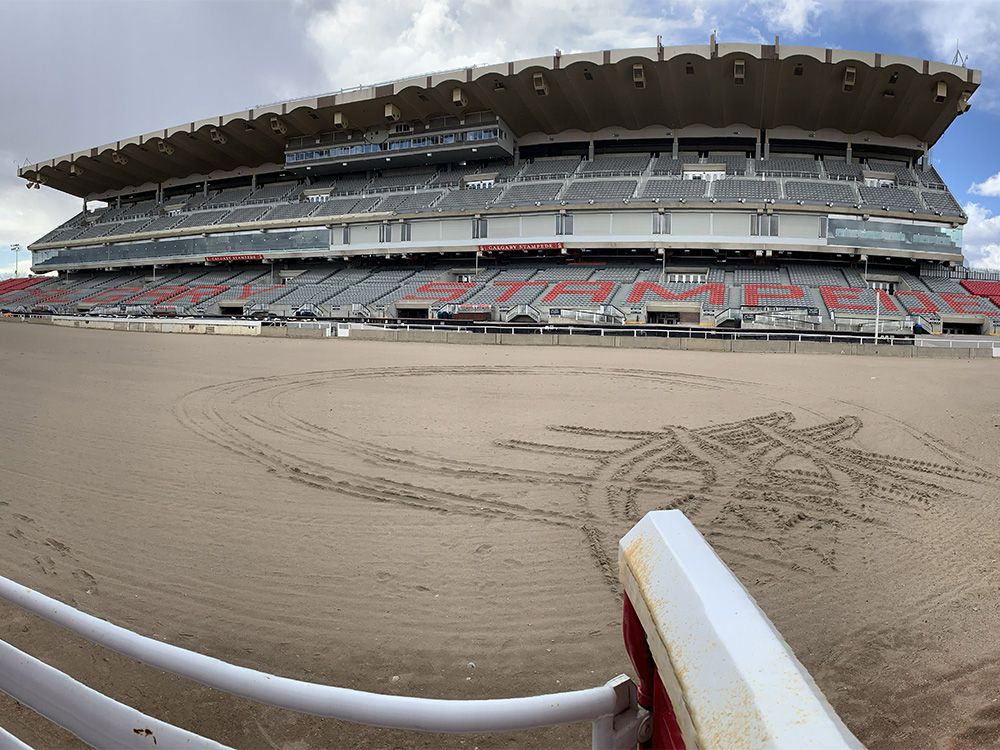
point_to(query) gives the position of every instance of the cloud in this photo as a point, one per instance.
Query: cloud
(410, 37)
(972, 25)
(989, 187)
(26, 215)
(981, 237)
(792, 16)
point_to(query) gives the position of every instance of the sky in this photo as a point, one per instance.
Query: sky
(79, 73)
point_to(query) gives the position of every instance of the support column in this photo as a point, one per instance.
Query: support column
(253, 182)
(204, 189)
(849, 152)
(590, 150)
(676, 149)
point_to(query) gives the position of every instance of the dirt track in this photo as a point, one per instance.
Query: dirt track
(349, 512)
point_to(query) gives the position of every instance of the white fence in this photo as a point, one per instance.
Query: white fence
(714, 673)
(639, 331)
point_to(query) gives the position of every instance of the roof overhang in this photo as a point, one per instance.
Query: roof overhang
(782, 86)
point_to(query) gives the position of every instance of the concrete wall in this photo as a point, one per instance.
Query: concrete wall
(150, 325)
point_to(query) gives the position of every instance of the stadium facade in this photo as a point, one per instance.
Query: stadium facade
(723, 184)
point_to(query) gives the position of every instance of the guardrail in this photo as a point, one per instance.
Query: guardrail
(636, 331)
(713, 671)
(938, 342)
(99, 721)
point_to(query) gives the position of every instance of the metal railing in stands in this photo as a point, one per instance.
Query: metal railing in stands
(102, 722)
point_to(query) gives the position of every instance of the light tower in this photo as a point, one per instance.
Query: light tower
(15, 248)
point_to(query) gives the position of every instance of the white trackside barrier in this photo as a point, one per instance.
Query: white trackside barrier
(713, 672)
(724, 676)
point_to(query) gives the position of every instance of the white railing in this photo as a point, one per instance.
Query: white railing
(949, 343)
(642, 331)
(714, 673)
(610, 707)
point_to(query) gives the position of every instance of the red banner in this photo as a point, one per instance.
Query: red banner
(521, 246)
(229, 258)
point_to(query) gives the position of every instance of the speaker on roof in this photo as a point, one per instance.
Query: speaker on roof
(963, 103)
(118, 158)
(458, 98)
(739, 71)
(539, 84)
(638, 76)
(278, 126)
(164, 148)
(940, 92)
(339, 121)
(850, 78)
(391, 113)
(217, 136)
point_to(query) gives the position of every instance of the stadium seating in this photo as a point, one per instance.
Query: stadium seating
(520, 193)
(674, 189)
(286, 211)
(839, 291)
(407, 202)
(787, 166)
(941, 202)
(463, 200)
(244, 215)
(746, 189)
(839, 169)
(735, 164)
(667, 165)
(929, 177)
(337, 207)
(201, 219)
(549, 168)
(612, 165)
(819, 191)
(900, 171)
(273, 193)
(889, 198)
(599, 191)
(399, 181)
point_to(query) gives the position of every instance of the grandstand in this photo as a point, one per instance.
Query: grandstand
(494, 192)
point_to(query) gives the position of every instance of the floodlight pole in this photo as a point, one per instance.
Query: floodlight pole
(15, 248)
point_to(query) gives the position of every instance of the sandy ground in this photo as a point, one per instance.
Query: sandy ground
(347, 512)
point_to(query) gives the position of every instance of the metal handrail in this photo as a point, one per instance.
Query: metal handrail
(393, 711)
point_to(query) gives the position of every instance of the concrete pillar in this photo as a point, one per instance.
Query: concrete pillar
(590, 149)
(767, 145)
(204, 189)
(676, 151)
(253, 182)
(849, 159)
(517, 156)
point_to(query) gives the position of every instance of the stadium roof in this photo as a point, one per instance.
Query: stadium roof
(801, 87)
